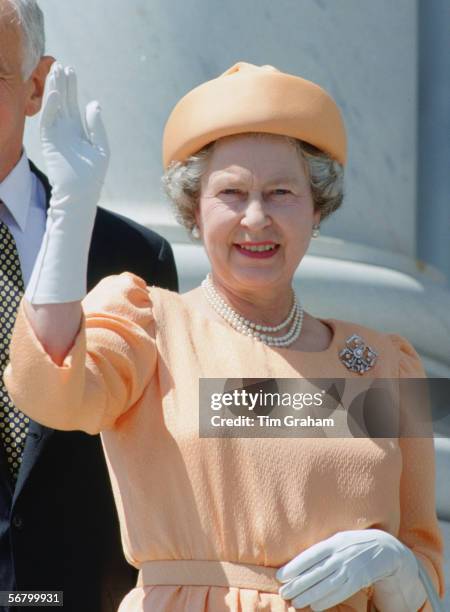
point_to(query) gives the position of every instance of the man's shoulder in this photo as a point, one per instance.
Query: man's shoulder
(108, 221)
(119, 244)
(119, 227)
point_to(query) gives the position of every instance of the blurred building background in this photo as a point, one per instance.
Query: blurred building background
(384, 259)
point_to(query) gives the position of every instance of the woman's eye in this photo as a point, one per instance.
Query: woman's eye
(232, 195)
(231, 191)
(281, 191)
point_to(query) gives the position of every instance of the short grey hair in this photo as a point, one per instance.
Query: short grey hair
(31, 21)
(182, 181)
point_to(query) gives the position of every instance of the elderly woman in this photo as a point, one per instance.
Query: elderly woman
(253, 164)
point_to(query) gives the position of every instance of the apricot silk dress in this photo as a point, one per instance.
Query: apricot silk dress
(208, 520)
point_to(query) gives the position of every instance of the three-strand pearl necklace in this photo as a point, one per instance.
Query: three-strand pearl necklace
(252, 329)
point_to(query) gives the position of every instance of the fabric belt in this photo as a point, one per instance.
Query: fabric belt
(208, 573)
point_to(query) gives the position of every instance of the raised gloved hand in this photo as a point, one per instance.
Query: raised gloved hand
(76, 159)
(329, 572)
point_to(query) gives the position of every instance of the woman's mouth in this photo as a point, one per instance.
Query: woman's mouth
(257, 250)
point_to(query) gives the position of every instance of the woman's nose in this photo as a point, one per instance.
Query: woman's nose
(255, 214)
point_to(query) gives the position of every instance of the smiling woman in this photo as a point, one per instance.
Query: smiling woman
(253, 160)
(255, 200)
(241, 209)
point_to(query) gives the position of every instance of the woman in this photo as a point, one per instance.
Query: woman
(253, 162)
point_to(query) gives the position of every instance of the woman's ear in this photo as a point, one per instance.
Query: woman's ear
(198, 220)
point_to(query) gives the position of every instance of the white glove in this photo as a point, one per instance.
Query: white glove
(329, 572)
(76, 160)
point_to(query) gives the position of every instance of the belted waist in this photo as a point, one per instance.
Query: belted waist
(208, 573)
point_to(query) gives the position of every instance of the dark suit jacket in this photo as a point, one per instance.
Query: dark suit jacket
(58, 527)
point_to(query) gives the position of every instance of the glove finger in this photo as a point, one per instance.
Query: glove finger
(50, 82)
(334, 598)
(61, 88)
(334, 588)
(341, 541)
(96, 128)
(305, 560)
(51, 109)
(326, 571)
(72, 94)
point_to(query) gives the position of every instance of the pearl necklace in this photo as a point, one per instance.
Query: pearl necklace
(250, 328)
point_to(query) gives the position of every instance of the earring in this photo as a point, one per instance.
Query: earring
(195, 232)
(315, 230)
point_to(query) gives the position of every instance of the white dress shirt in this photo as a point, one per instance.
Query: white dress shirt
(24, 212)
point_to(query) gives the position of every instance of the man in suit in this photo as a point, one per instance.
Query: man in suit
(58, 524)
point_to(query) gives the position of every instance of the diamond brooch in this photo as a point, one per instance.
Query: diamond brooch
(357, 356)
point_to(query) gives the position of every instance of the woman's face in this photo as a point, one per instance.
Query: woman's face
(256, 212)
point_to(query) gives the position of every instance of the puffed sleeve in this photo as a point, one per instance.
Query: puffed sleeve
(107, 369)
(419, 529)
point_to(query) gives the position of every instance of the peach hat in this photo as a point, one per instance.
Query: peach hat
(248, 98)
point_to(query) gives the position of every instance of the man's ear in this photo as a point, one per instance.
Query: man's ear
(36, 84)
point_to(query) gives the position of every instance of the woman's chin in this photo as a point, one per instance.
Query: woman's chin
(261, 280)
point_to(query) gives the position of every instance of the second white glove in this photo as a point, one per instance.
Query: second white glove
(331, 571)
(77, 160)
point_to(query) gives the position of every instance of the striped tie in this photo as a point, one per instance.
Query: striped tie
(13, 423)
